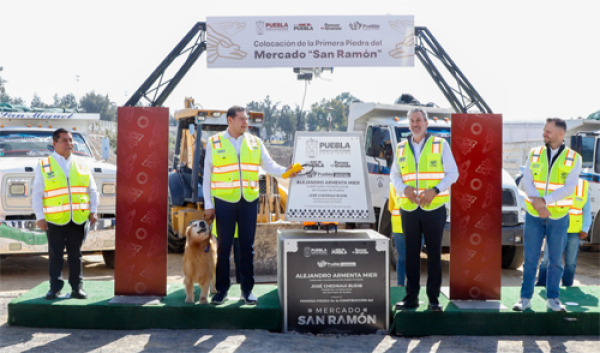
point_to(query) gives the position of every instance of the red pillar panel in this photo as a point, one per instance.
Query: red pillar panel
(476, 208)
(142, 179)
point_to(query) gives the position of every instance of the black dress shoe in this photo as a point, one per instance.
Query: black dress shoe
(52, 295)
(219, 298)
(407, 304)
(435, 307)
(78, 294)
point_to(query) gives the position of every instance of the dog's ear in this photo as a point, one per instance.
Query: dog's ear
(188, 231)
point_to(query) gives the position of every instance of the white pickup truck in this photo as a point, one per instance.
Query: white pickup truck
(24, 139)
(585, 139)
(384, 126)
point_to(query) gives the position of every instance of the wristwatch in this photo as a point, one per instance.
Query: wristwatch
(437, 191)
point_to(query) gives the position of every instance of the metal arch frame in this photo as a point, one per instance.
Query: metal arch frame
(156, 89)
(462, 98)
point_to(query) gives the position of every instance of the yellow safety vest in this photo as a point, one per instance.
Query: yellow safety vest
(214, 229)
(394, 208)
(225, 178)
(64, 200)
(579, 198)
(538, 163)
(429, 173)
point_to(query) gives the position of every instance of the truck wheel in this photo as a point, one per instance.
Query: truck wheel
(512, 256)
(174, 243)
(109, 258)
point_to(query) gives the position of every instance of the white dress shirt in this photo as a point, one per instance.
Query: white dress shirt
(38, 185)
(561, 193)
(266, 162)
(450, 168)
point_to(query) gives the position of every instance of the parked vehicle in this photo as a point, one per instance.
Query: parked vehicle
(585, 139)
(384, 126)
(24, 139)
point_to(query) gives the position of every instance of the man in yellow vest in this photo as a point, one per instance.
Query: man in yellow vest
(231, 167)
(580, 220)
(423, 171)
(64, 198)
(549, 179)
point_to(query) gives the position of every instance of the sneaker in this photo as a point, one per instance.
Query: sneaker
(522, 305)
(555, 305)
(219, 298)
(250, 298)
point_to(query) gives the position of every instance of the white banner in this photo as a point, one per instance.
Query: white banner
(310, 41)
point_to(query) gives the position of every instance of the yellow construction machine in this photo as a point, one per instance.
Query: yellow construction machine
(186, 199)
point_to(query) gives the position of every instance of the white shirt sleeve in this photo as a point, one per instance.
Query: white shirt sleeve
(450, 168)
(570, 184)
(395, 176)
(93, 193)
(527, 180)
(38, 193)
(268, 164)
(208, 165)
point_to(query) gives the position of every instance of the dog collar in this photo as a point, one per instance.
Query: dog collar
(207, 248)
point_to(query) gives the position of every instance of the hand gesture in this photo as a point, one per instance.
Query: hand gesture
(93, 218)
(42, 224)
(209, 215)
(544, 213)
(427, 196)
(411, 193)
(538, 203)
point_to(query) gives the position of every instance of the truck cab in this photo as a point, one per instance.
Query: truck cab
(586, 141)
(24, 139)
(384, 126)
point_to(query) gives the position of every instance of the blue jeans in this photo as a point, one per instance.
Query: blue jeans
(571, 251)
(401, 251)
(555, 232)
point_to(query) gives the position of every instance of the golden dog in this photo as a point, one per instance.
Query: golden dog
(199, 261)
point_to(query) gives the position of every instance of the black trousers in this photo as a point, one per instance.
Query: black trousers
(243, 213)
(69, 236)
(431, 225)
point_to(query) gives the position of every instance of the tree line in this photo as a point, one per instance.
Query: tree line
(281, 121)
(324, 115)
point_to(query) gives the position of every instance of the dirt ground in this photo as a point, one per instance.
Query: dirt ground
(20, 274)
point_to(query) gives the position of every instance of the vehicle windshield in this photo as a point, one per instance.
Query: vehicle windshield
(402, 132)
(587, 152)
(36, 144)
